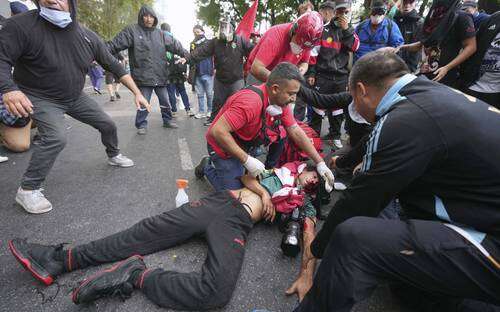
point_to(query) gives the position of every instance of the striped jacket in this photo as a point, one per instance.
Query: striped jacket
(437, 150)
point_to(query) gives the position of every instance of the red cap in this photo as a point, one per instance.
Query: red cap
(308, 28)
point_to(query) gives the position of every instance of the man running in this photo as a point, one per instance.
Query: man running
(224, 218)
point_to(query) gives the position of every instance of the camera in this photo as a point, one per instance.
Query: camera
(291, 226)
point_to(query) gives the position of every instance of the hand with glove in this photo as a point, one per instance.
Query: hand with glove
(326, 174)
(255, 166)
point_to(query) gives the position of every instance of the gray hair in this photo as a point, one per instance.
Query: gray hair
(375, 68)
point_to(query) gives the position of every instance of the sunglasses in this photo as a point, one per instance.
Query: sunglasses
(378, 12)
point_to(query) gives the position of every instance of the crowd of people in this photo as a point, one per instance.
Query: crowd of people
(419, 202)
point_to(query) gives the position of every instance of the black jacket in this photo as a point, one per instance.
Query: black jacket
(470, 70)
(435, 151)
(333, 56)
(410, 26)
(228, 57)
(147, 49)
(50, 62)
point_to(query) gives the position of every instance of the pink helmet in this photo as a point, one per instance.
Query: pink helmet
(308, 28)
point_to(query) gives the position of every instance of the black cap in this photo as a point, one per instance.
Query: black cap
(327, 5)
(469, 4)
(199, 27)
(343, 4)
(378, 4)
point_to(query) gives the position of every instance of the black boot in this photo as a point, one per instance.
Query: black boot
(118, 280)
(199, 171)
(45, 263)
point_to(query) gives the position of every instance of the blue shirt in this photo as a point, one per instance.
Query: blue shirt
(381, 38)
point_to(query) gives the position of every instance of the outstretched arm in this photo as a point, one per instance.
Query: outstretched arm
(325, 101)
(305, 280)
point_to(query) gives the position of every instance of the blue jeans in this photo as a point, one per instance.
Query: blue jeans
(224, 174)
(178, 88)
(204, 85)
(162, 94)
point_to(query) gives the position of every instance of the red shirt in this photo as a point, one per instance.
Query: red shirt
(243, 112)
(274, 48)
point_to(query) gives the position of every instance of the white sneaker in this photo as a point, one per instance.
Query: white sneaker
(174, 114)
(207, 115)
(338, 144)
(120, 161)
(190, 113)
(33, 201)
(200, 115)
(3, 159)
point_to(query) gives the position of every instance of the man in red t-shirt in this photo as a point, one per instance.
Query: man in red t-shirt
(239, 126)
(290, 42)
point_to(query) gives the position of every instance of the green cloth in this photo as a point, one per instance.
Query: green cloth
(270, 181)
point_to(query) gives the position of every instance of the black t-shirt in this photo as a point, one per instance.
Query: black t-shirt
(440, 55)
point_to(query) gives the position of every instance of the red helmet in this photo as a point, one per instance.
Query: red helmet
(308, 28)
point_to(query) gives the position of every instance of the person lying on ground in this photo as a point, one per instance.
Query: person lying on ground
(224, 218)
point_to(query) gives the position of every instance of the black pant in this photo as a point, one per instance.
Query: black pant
(219, 217)
(426, 255)
(222, 91)
(326, 86)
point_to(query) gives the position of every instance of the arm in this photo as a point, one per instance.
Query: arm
(305, 280)
(325, 101)
(173, 45)
(12, 45)
(412, 47)
(259, 70)
(469, 48)
(203, 51)
(349, 40)
(389, 167)
(396, 37)
(302, 141)
(253, 185)
(221, 132)
(122, 41)
(104, 57)
(247, 46)
(140, 101)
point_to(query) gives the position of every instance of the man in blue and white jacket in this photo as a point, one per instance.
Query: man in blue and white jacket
(448, 242)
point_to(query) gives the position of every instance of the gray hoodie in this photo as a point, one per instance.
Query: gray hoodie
(147, 49)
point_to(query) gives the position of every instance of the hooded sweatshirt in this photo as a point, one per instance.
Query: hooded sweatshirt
(147, 49)
(49, 62)
(410, 26)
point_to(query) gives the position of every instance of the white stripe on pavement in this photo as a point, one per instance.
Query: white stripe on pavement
(186, 161)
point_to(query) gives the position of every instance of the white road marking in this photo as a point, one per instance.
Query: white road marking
(186, 161)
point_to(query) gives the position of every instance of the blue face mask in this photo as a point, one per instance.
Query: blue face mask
(58, 18)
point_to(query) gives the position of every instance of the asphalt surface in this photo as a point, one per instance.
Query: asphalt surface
(92, 200)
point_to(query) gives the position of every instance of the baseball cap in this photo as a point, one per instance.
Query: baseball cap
(327, 5)
(469, 4)
(343, 4)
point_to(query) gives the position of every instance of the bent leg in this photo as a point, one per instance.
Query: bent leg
(49, 118)
(16, 139)
(365, 252)
(213, 286)
(87, 110)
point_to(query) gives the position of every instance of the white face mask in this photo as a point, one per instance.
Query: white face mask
(296, 49)
(355, 116)
(274, 110)
(58, 18)
(376, 19)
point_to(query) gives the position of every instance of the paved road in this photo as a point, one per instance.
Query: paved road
(92, 199)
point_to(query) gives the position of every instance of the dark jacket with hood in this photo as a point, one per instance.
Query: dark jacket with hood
(201, 67)
(410, 26)
(147, 48)
(50, 62)
(471, 69)
(228, 57)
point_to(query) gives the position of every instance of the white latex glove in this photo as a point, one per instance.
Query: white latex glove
(254, 166)
(327, 175)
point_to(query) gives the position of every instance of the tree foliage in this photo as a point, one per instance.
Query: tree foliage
(108, 17)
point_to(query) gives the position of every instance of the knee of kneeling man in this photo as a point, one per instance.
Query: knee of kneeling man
(17, 147)
(352, 234)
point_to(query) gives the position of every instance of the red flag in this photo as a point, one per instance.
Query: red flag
(245, 28)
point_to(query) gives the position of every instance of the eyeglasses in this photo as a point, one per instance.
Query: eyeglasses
(378, 12)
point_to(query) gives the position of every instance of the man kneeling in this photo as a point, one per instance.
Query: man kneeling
(224, 218)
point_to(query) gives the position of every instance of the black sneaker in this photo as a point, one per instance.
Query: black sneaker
(118, 95)
(199, 171)
(115, 281)
(207, 123)
(112, 99)
(170, 125)
(39, 260)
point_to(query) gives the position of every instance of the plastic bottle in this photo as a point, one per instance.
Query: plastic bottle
(182, 197)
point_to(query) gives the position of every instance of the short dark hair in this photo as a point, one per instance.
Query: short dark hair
(375, 68)
(284, 72)
(165, 27)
